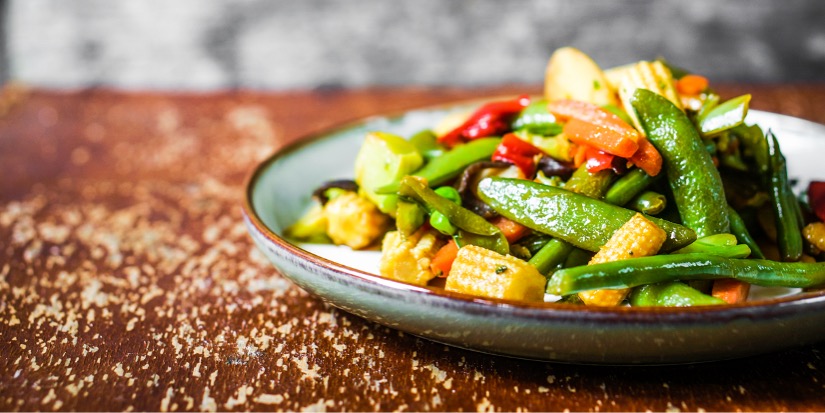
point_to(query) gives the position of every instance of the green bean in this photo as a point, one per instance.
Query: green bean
(672, 294)
(648, 202)
(450, 164)
(662, 268)
(740, 230)
(427, 144)
(628, 186)
(788, 231)
(553, 253)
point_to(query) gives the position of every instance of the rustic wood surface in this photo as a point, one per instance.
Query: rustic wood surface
(128, 282)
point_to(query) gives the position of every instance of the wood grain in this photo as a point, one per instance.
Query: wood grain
(128, 282)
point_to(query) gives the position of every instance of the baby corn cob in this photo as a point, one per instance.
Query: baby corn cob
(654, 76)
(408, 258)
(638, 237)
(482, 272)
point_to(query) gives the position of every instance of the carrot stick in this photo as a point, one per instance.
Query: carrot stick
(692, 84)
(512, 230)
(599, 137)
(443, 259)
(730, 290)
(647, 158)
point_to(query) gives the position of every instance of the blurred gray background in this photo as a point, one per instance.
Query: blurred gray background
(299, 44)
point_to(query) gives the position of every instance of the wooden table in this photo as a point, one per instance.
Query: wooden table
(128, 281)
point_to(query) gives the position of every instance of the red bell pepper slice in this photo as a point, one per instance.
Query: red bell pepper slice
(517, 152)
(816, 198)
(489, 120)
(598, 160)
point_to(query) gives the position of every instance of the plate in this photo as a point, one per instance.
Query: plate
(278, 192)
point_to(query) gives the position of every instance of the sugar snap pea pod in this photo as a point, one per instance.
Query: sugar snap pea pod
(740, 230)
(590, 184)
(671, 294)
(722, 245)
(416, 188)
(451, 163)
(580, 220)
(409, 216)
(788, 232)
(672, 267)
(555, 251)
(695, 181)
(725, 116)
(535, 118)
(628, 186)
(648, 202)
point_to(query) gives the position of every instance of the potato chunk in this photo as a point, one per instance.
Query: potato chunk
(354, 221)
(479, 271)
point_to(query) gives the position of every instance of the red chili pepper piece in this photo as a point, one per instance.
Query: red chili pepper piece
(517, 152)
(489, 120)
(598, 160)
(816, 198)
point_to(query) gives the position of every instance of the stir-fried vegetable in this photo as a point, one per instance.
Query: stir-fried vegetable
(672, 190)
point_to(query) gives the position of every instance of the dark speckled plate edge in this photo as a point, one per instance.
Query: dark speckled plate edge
(774, 311)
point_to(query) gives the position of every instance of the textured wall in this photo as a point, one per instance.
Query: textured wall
(288, 44)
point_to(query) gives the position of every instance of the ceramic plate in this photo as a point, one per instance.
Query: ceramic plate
(278, 192)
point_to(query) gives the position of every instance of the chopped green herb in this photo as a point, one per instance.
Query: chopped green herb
(501, 269)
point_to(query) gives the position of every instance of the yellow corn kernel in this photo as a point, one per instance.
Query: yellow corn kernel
(408, 258)
(354, 221)
(638, 237)
(815, 234)
(482, 272)
(654, 76)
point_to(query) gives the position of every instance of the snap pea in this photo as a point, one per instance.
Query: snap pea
(697, 187)
(671, 294)
(409, 216)
(450, 164)
(725, 116)
(740, 230)
(535, 118)
(671, 267)
(438, 220)
(648, 202)
(628, 186)
(416, 188)
(721, 245)
(788, 231)
(589, 184)
(580, 220)
(555, 251)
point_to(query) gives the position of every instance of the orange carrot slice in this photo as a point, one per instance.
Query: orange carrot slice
(512, 230)
(692, 84)
(443, 259)
(647, 158)
(600, 137)
(730, 290)
(565, 110)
